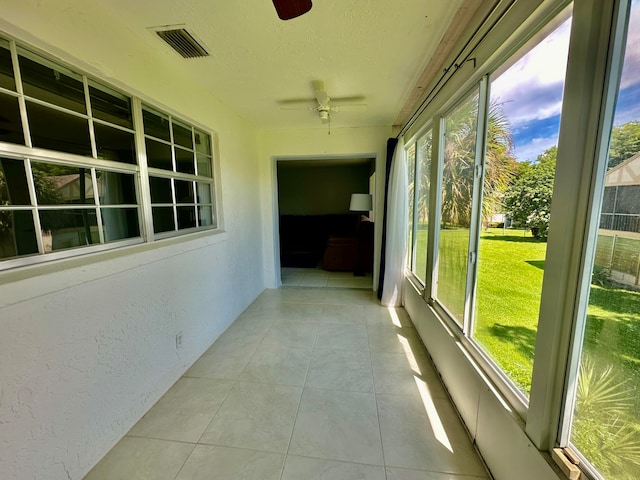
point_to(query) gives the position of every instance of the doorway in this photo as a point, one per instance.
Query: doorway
(322, 242)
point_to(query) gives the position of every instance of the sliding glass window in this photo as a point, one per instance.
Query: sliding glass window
(423, 181)
(605, 422)
(523, 122)
(456, 193)
(410, 153)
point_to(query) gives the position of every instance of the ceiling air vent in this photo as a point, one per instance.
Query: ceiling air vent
(183, 43)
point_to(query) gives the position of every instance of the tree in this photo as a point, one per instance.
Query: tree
(528, 199)
(459, 159)
(625, 142)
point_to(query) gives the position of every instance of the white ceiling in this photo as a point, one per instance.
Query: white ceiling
(374, 48)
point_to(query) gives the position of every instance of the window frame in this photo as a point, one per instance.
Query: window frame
(28, 153)
(435, 115)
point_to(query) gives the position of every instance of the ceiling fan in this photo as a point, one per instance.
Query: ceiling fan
(323, 102)
(288, 9)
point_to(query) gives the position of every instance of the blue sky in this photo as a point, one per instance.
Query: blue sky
(530, 90)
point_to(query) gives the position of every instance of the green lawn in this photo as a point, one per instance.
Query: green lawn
(510, 269)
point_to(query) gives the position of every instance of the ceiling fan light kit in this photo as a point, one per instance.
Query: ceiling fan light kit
(288, 9)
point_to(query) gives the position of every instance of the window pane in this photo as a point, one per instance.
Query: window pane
(184, 192)
(204, 192)
(204, 165)
(13, 183)
(114, 144)
(203, 142)
(457, 187)
(162, 219)
(184, 161)
(186, 217)
(160, 190)
(110, 105)
(205, 215)
(10, 120)
(6, 67)
(60, 185)
(52, 83)
(155, 124)
(411, 173)
(120, 223)
(519, 169)
(58, 131)
(69, 228)
(158, 154)
(17, 234)
(606, 417)
(423, 170)
(116, 188)
(182, 134)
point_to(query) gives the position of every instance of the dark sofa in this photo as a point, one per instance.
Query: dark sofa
(303, 238)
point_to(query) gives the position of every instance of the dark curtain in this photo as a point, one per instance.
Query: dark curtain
(391, 146)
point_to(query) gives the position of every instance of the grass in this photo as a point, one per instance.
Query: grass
(510, 272)
(510, 269)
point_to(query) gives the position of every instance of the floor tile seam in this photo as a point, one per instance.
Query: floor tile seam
(257, 382)
(248, 449)
(295, 419)
(185, 461)
(462, 476)
(158, 438)
(217, 410)
(337, 390)
(350, 462)
(384, 459)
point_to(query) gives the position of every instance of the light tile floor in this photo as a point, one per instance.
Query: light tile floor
(316, 277)
(307, 384)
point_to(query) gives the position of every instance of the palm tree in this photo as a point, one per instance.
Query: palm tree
(459, 159)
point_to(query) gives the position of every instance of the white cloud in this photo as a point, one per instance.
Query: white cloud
(531, 150)
(631, 70)
(531, 89)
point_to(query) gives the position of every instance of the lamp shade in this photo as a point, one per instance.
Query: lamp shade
(361, 202)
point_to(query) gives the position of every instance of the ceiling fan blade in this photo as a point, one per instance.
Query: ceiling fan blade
(354, 98)
(288, 101)
(297, 108)
(361, 107)
(288, 9)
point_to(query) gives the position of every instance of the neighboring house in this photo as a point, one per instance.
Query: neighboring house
(619, 254)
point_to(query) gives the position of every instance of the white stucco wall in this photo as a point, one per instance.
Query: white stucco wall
(315, 143)
(88, 344)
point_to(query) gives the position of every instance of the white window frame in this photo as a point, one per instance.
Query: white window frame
(139, 169)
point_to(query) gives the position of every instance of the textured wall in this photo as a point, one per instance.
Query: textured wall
(314, 190)
(88, 345)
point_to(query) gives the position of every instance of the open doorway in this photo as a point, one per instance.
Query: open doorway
(325, 238)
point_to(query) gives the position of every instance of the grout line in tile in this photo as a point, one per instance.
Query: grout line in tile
(304, 383)
(185, 461)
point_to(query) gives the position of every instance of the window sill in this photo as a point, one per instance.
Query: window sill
(97, 265)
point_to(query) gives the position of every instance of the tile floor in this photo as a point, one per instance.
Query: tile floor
(316, 277)
(308, 383)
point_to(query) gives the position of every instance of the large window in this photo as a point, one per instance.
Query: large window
(410, 153)
(70, 171)
(180, 177)
(519, 167)
(456, 192)
(605, 426)
(419, 157)
(496, 166)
